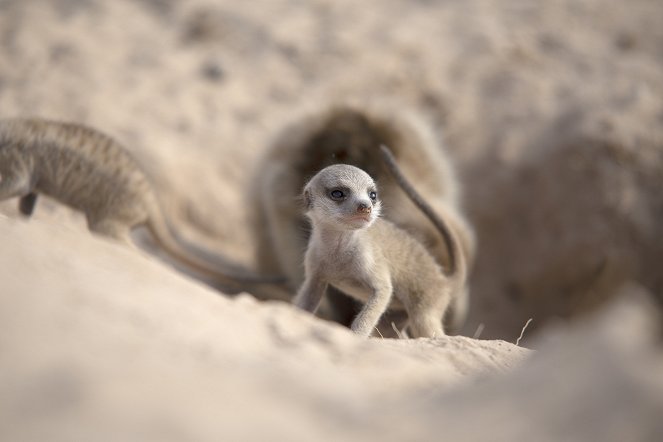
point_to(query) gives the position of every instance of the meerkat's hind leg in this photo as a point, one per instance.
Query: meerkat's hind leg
(457, 313)
(426, 325)
(26, 205)
(370, 314)
(424, 319)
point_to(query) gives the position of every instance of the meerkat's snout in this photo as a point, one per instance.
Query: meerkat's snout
(364, 208)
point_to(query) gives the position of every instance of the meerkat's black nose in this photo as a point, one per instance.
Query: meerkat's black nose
(363, 208)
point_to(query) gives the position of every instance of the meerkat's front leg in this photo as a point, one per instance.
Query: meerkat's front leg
(310, 293)
(368, 317)
(26, 205)
(14, 185)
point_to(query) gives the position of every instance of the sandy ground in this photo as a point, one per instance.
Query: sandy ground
(552, 112)
(108, 344)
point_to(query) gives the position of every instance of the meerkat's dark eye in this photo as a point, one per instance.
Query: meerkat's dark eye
(336, 194)
(373, 195)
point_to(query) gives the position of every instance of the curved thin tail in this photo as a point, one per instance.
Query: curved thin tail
(235, 279)
(457, 265)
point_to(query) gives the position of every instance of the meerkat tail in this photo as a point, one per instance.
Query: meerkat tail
(220, 261)
(161, 232)
(230, 268)
(457, 265)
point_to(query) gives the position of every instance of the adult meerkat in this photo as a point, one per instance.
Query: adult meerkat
(370, 258)
(89, 171)
(352, 135)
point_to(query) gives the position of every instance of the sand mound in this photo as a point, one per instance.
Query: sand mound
(100, 342)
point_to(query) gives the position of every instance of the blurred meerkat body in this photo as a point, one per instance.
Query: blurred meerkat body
(352, 135)
(90, 172)
(371, 259)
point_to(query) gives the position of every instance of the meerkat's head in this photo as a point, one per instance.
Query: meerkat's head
(342, 197)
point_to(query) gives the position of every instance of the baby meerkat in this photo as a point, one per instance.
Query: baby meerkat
(90, 172)
(371, 259)
(352, 134)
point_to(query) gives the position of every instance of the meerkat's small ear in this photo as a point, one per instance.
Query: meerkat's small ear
(308, 200)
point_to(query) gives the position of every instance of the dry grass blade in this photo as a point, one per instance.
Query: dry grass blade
(522, 332)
